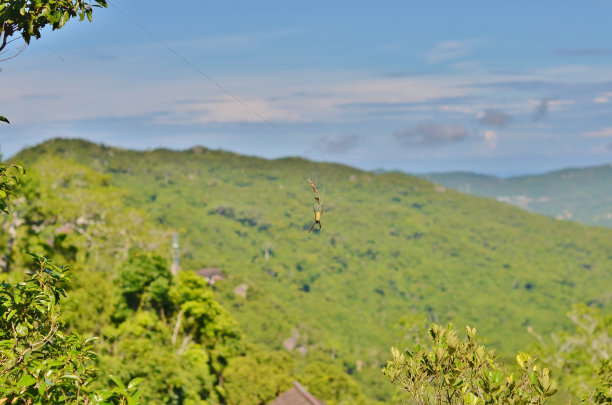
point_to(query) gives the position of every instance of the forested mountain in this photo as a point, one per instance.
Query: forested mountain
(394, 251)
(580, 194)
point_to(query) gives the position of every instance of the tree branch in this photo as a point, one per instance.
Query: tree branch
(186, 341)
(18, 52)
(177, 327)
(4, 35)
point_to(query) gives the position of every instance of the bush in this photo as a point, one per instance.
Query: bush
(39, 363)
(453, 371)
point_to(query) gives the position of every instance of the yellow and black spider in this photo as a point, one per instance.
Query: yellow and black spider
(317, 207)
(317, 216)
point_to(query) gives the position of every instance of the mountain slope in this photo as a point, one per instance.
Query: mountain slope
(391, 245)
(583, 194)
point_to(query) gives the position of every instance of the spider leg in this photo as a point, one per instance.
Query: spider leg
(313, 225)
(320, 226)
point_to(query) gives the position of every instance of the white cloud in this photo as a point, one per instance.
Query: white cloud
(492, 116)
(462, 109)
(336, 144)
(446, 51)
(429, 133)
(490, 138)
(228, 109)
(559, 103)
(602, 133)
(603, 98)
(272, 96)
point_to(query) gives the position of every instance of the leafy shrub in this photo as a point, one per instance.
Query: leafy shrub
(39, 363)
(579, 355)
(453, 371)
(603, 391)
(10, 176)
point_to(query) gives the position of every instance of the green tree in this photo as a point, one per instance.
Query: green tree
(140, 347)
(257, 378)
(39, 363)
(144, 280)
(182, 347)
(10, 177)
(581, 355)
(602, 394)
(202, 319)
(330, 384)
(64, 212)
(454, 371)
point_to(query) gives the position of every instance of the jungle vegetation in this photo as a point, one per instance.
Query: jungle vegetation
(395, 253)
(113, 324)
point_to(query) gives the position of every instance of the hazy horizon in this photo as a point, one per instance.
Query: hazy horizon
(417, 173)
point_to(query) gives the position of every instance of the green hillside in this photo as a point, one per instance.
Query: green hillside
(391, 246)
(583, 195)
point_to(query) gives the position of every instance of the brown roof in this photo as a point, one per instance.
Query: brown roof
(296, 396)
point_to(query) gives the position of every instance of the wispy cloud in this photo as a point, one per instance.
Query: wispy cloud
(34, 96)
(540, 111)
(558, 88)
(232, 42)
(494, 117)
(228, 109)
(447, 50)
(337, 144)
(583, 52)
(490, 138)
(432, 134)
(602, 98)
(602, 133)
(434, 102)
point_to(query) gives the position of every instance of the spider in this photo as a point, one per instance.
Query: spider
(317, 207)
(317, 217)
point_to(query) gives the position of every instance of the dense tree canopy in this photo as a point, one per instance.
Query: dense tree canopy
(396, 253)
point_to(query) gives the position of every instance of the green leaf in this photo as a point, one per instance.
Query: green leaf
(41, 388)
(71, 377)
(117, 381)
(11, 314)
(25, 381)
(102, 396)
(4, 119)
(22, 330)
(134, 383)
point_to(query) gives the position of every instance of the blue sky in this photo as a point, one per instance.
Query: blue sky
(500, 88)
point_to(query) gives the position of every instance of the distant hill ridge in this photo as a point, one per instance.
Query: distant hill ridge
(577, 194)
(391, 246)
